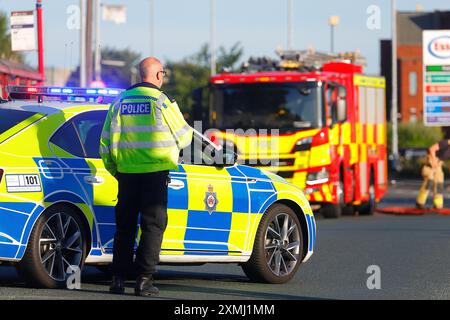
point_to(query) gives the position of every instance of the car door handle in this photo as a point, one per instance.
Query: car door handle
(93, 180)
(176, 184)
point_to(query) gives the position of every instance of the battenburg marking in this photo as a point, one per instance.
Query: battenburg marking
(211, 200)
(135, 108)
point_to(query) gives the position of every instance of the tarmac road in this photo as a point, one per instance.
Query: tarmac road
(413, 254)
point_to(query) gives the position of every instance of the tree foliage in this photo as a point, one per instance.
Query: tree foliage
(5, 42)
(416, 135)
(194, 71)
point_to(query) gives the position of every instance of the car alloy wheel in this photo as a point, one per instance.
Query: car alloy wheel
(282, 245)
(61, 245)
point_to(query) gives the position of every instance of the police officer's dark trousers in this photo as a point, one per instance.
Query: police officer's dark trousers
(143, 195)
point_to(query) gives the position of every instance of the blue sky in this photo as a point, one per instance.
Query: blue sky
(182, 26)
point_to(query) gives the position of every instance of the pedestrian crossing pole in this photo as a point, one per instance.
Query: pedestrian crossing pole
(40, 33)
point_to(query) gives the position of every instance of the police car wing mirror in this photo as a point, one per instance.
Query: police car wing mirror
(227, 159)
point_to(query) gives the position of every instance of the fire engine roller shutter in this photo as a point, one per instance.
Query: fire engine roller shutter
(363, 145)
(381, 134)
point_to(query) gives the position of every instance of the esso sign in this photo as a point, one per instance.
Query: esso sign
(440, 47)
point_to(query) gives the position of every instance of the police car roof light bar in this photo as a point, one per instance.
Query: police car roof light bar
(63, 92)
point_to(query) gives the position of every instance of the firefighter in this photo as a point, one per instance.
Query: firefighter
(433, 175)
(141, 140)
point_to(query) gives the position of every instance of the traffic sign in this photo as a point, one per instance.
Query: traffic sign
(22, 31)
(436, 61)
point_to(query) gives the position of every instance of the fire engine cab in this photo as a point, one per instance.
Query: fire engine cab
(314, 119)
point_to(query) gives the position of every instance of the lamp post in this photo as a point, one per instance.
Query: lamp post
(213, 37)
(152, 27)
(394, 114)
(98, 58)
(333, 21)
(82, 44)
(290, 24)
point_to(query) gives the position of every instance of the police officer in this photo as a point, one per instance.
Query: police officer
(433, 175)
(141, 140)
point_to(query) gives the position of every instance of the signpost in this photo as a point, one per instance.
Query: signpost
(22, 31)
(436, 61)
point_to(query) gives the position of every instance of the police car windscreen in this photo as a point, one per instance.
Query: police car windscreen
(10, 118)
(285, 106)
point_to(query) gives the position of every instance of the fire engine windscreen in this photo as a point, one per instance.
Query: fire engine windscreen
(288, 107)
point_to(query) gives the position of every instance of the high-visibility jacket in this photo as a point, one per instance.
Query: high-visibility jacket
(144, 132)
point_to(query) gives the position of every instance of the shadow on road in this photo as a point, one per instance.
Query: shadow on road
(236, 294)
(218, 280)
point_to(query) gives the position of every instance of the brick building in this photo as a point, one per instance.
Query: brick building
(410, 68)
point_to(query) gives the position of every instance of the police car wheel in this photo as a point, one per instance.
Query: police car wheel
(278, 248)
(56, 248)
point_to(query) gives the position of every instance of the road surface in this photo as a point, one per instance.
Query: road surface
(412, 254)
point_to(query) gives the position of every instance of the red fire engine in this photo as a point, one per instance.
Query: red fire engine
(329, 121)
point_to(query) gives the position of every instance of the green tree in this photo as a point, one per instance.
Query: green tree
(194, 71)
(415, 135)
(5, 42)
(226, 58)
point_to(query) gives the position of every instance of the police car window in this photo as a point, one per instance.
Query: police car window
(67, 139)
(81, 135)
(10, 118)
(201, 152)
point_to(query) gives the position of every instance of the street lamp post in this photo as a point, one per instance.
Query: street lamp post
(213, 37)
(333, 21)
(98, 68)
(290, 25)
(82, 44)
(152, 27)
(394, 114)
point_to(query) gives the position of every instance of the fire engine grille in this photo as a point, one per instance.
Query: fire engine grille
(286, 174)
(268, 162)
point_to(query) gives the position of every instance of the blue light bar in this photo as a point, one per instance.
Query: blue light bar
(64, 92)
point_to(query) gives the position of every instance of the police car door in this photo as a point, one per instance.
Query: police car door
(101, 185)
(202, 206)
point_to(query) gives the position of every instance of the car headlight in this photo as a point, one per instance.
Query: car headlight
(303, 145)
(318, 177)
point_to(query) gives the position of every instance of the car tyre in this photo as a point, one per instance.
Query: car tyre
(368, 208)
(278, 247)
(57, 240)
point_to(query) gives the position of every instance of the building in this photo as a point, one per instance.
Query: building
(14, 73)
(57, 77)
(410, 68)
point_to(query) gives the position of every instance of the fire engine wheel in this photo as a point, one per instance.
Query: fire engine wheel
(278, 249)
(334, 211)
(347, 209)
(331, 211)
(368, 208)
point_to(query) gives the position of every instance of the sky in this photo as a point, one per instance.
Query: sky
(182, 26)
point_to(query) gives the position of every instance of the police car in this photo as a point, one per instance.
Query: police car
(57, 200)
